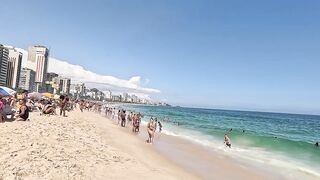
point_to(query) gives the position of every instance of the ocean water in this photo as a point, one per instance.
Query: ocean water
(283, 141)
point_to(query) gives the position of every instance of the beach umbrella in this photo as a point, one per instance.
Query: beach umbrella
(5, 91)
(47, 94)
(35, 95)
(56, 97)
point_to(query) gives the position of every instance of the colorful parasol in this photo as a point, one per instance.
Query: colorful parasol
(5, 91)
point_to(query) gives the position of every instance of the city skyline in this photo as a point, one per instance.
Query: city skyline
(225, 55)
(32, 74)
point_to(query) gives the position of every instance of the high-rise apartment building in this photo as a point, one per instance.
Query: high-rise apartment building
(49, 82)
(27, 79)
(38, 57)
(50, 76)
(62, 85)
(4, 55)
(13, 68)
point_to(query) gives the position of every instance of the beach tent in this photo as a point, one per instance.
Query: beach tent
(47, 94)
(5, 91)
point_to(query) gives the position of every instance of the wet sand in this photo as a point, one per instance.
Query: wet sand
(200, 160)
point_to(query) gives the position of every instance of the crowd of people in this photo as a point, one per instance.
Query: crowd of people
(122, 117)
(129, 119)
(12, 108)
(132, 119)
(18, 107)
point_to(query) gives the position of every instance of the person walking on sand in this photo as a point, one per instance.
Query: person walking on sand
(151, 131)
(134, 122)
(129, 118)
(123, 118)
(227, 141)
(63, 105)
(119, 117)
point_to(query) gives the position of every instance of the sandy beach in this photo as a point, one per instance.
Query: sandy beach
(89, 146)
(81, 146)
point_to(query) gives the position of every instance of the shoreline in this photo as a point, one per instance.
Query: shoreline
(91, 146)
(278, 158)
(203, 161)
(197, 159)
(80, 146)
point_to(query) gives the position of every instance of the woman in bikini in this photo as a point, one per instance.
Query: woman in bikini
(151, 131)
(23, 111)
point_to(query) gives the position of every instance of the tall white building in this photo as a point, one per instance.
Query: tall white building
(66, 82)
(134, 99)
(4, 55)
(38, 57)
(27, 78)
(78, 90)
(108, 95)
(14, 68)
(48, 86)
(125, 97)
(62, 85)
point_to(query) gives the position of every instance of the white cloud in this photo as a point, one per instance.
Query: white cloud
(103, 82)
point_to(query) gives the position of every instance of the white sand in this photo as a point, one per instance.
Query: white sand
(81, 146)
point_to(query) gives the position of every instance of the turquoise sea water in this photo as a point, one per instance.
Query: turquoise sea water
(281, 140)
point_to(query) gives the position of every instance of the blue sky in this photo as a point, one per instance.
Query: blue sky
(247, 55)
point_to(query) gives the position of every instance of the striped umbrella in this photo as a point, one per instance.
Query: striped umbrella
(5, 91)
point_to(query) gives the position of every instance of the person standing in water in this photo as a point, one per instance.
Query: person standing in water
(160, 126)
(317, 144)
(155, 124)
(227, 141)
